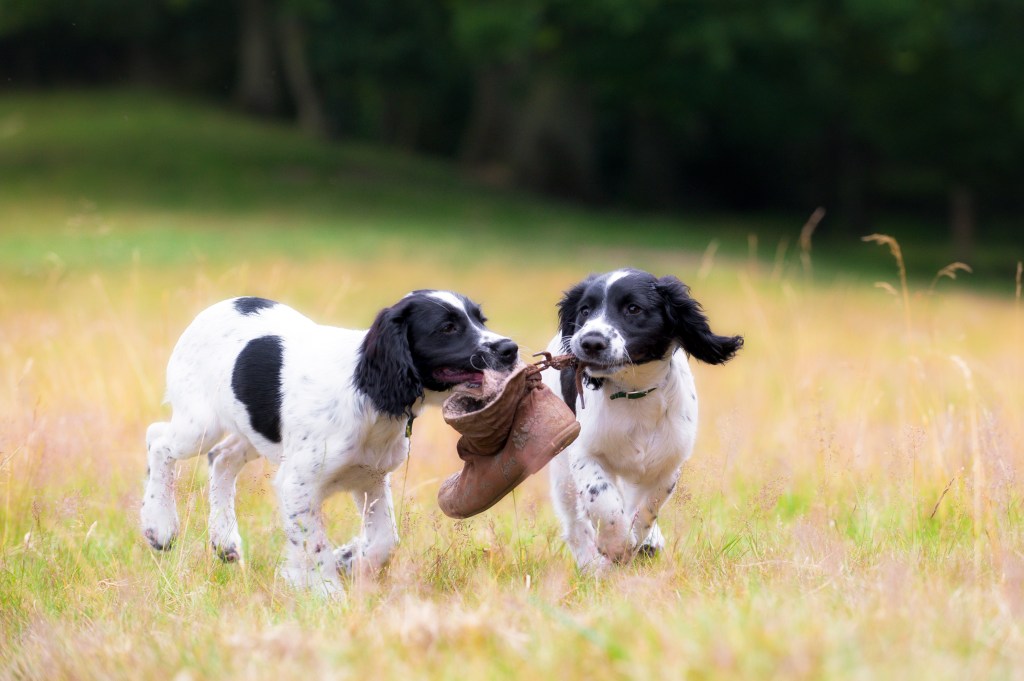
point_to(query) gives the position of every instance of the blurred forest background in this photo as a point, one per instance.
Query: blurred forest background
(866, 107)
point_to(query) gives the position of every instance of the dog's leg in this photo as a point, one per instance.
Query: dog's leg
(653, 544)
(647, 503)
(577, 530)
(226, 460)
(309, 561)
(646, 536)
(371, 549)
(167, 442)
(603, 503)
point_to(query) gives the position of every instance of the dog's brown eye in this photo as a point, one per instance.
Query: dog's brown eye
(584, 311)
(449, 327)
(632, 308)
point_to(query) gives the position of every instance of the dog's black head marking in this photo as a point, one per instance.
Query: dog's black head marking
(630, 317)
(689, 325)
(429, 340)
(251, 305)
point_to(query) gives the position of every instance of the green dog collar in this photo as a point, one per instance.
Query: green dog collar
(633, 394)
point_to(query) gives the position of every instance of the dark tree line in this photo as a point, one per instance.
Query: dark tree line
(853, 104)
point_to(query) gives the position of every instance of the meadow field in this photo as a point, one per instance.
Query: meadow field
(853, 508)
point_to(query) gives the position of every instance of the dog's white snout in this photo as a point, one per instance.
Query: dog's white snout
(600, 342)
(592, 344)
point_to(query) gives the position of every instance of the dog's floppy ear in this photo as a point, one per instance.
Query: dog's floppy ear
(567, 308)
(690, 324)
(385, 371)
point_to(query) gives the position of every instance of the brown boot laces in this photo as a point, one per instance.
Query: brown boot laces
(557, 362)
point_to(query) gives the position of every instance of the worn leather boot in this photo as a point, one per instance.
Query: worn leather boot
(507, 435)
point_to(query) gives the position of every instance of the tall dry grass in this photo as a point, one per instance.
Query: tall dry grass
(853, 508)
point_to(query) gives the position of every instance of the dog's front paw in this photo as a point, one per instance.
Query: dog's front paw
(229, 551)
(652, 545)
(350, 556)
(322, 582)
(647, 551)
(226, 543)
(614, 545)
(159, 524)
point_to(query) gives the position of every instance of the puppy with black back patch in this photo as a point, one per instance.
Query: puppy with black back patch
(332, 407)
(632, 334)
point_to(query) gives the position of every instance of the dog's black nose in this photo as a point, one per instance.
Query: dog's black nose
(505, 350)
(593, 344)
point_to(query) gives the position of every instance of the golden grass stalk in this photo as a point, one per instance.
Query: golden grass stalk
(806, 232)
(935, 508)
(1020, 270)
(897, 253)
(887, 287)
(707, 261)
(949, 271)
(1016, 304)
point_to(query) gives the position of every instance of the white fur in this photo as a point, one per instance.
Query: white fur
(599, 325)
(610, 484)
(333, 438)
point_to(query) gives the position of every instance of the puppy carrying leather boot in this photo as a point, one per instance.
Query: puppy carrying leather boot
(511, 427)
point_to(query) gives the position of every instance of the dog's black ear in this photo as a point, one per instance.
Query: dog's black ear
(567, 308)
(385, 371)
(690, 324)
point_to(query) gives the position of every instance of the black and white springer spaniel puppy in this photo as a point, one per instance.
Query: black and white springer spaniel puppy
(632, 334)
(331, 407)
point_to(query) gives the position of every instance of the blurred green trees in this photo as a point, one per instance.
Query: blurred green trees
(857, 105)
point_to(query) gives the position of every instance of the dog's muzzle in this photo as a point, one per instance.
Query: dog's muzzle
(500, 354)
(594, 349)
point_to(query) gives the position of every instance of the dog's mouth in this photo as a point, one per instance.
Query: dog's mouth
(598, 369)
(453, 376)
(591, 366)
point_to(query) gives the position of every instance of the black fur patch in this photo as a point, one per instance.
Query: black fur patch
(567, 309)
(385, 371)
(690, 325)
(568, 378)
(252, 305)
(256, 382)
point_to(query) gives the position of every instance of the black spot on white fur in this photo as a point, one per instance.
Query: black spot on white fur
(252, 305)
(256, 382)
(595, 489)
(689, 325)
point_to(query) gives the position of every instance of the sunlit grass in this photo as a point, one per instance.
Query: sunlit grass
(853, 508)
